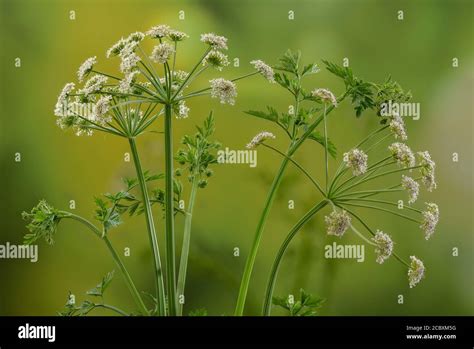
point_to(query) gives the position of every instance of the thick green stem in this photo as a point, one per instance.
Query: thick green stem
(183, 264)
(158, 271)
(169, 213)
(271, 196)
(281, 252)
(244, 285)
(128, 279)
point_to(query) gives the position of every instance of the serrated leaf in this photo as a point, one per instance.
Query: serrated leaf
(316, 136)
(271, 114)
(99, 290)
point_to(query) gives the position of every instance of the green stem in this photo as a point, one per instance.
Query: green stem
(261, 224)
(128, 279)
(326, 148)
(183, 264)
(158, 272)
(169, 213)
(340, 171)
(371, 192)
(111, 307)
(281, 252)
(383, 202)
(377, 176)
(244, 285)
(298, 166)
(372, 232)
(384, 210)
(370, 171)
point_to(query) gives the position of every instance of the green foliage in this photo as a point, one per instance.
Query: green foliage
(199, 152)
(368, 95)
(71, 309)
(99, 290)
(198, 312)
(306, 305)
(294, 124)
(316, 136)
(42, 222)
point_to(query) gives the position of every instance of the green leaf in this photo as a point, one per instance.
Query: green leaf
(281, 302)
(316, 136)
(271, 114)
(99, 290)
(289, 62)
(198, 312)
(310, 69)
(307, 305)
(42, 221)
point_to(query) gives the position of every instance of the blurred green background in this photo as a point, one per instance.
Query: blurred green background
(60, 167)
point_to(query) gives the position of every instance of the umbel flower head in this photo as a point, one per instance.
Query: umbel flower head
(215, 41)
(62, 104)
(325, 95)
(337, 223)
(402, 154)
(86, 68)
(162, 52)
(259, 139)
(159, 31)
(216, 59)
(412, 187)
(264, 69)
(223, 89)
(100, 110)
(176, 35)
(93, 85)
(427, 170)
(430, 219)
(356, 159)
(42, 222)
(416, 271)
(397, 126)
(384, 246)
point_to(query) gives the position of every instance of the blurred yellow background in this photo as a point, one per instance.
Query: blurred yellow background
(60, 167)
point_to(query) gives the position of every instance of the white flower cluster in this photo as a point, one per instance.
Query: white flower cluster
(427, 170)
(182, 110)
(325, 95)
(216, 59)
(94, 84)
(397, 126)
(223, 89)
(60, 108)
(337, 223)
(100, 110)
(412, 187)
(159, 31)
(402, 154)
(259, 139)
(430, 219)
(125, 85)
(384, 246)
(215, 41)
(416, 271)
(264, 69)
(86, 68)
(162, 52)
(356, 159)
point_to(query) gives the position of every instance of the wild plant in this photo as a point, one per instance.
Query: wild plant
(340, 190)
(148, 89)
